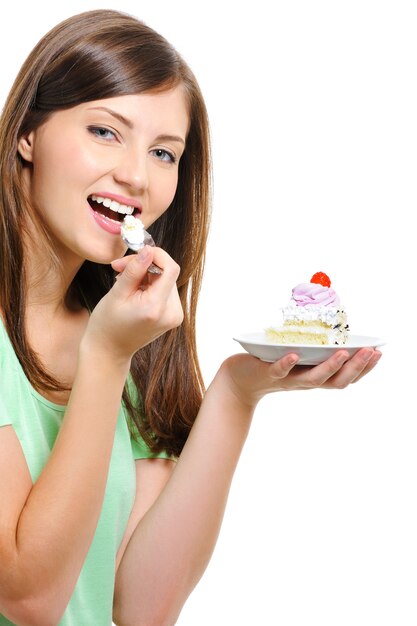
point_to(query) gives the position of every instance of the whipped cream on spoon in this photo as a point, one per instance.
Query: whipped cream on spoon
(136, 237)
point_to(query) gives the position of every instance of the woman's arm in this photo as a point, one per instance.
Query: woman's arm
(151, 477)
(46, 528)
(50, 525)
(171, 546)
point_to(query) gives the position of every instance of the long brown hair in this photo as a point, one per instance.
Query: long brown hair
(94, 55)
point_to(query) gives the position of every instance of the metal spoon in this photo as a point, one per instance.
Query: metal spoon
(136, 237)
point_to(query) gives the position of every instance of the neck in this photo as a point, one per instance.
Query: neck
(48, 279)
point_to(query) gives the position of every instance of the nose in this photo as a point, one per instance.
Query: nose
(132, 171)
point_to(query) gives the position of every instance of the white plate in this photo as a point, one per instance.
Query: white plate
(258, 345)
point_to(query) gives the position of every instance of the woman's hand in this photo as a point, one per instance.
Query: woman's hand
(250, 378)
(138, 308)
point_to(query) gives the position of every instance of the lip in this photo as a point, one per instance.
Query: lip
(105, 223)
(121, 199)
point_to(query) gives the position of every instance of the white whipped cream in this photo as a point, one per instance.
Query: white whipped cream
(133, 231)
(328, 314)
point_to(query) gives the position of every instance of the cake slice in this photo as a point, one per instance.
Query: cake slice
(313, 316)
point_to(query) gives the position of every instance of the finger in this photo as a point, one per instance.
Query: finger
(165, 261)
(162, 284)
(119, 264)
(281, 368)
(370, 366)
(318, 375)
(354, 367)
(134, 272)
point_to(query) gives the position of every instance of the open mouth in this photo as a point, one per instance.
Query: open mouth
(111, 209)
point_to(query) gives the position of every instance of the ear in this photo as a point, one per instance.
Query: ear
(25, 146)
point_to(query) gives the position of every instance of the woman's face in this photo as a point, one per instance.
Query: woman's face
(122, 151)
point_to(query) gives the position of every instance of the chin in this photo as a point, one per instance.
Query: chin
(104, 257)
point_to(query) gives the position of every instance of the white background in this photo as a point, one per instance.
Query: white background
(313, 115)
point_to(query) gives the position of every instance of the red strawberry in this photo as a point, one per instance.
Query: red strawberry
(320, 278)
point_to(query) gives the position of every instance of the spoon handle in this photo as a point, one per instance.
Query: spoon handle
(154, 269)
(148, 241)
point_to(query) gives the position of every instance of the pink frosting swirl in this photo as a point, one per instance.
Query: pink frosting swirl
(312, 293)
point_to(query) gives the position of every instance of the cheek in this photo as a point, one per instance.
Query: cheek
(64, 164)
(167, 191)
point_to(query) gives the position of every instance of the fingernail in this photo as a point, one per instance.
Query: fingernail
(293, 360)
(367, 357)
(341, 358)
(143, 254)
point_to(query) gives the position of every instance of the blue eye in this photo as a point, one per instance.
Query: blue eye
(102, 132)
(164, 155)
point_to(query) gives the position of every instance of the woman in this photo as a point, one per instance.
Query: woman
(111, 496)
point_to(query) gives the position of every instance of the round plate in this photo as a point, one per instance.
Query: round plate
(258, 345)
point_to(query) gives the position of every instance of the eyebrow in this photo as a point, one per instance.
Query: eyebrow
(170, 138)
(118, 116)
(129, 124)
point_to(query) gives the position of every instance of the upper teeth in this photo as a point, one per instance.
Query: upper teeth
(113, 205)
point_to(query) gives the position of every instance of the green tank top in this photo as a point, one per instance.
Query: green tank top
(36, 422)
